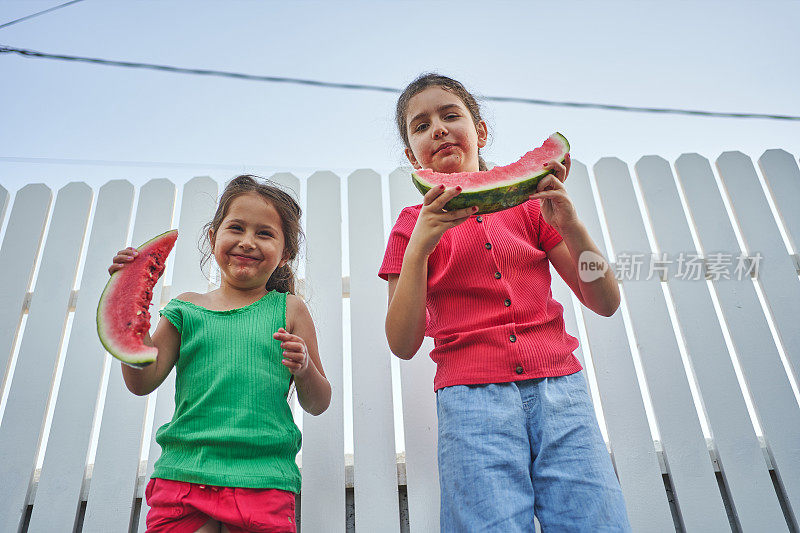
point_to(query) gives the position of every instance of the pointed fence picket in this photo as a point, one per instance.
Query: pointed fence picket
(622, 402)
(739, 454)
(60, 488)
(116, 464)
(720, 480)
(323, 495)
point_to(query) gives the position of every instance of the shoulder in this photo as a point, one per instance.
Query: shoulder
(296, 312)
(191, 297)
(409, 214)
(407, 219)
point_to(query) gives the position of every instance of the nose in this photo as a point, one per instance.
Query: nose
(246, 242)
(439, 131)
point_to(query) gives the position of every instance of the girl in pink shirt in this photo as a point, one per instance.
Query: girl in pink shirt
(517, 431)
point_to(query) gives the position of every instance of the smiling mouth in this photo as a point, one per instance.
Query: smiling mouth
(245, 257)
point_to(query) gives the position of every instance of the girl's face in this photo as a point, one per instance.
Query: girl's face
(249, 243)
(441, 132)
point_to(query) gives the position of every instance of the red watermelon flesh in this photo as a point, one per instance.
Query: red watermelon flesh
(123, 314)
(502, 186)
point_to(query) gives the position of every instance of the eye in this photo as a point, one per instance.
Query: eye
(235, 227)
(422, 126)
(451, 116)
(265, 233)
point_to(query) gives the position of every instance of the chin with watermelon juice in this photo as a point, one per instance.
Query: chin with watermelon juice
(470, 267)
(238, 351)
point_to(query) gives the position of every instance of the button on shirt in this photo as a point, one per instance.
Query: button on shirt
(489, 305)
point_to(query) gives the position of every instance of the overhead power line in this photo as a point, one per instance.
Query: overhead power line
(65, 4)
(380, 88)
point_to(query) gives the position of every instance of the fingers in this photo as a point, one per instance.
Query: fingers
(445, 196)
(295, 354)
(432, 194)
(560, 170)
(122, 258)
(550, 183)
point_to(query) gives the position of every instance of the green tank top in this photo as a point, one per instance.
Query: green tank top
(232, 425)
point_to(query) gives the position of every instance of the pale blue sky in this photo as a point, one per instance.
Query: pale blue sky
(721, 56)
(729, 56)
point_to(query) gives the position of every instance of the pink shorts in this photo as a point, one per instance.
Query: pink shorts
(180, 507)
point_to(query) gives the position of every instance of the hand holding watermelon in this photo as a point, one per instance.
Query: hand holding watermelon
(433, 220)
(123, 316)
(557, 208)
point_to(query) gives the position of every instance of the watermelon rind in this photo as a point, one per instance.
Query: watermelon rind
(497, 197)
(145, 355)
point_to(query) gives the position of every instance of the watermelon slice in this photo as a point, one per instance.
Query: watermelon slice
(501, 187)
(123, 315)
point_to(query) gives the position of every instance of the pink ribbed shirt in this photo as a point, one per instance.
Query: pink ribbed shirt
(489, 306)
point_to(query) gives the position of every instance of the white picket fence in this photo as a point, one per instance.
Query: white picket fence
(648, 377)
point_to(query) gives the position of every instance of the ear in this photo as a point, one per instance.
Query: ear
(211, 236)
(483, 133)
(412, 159)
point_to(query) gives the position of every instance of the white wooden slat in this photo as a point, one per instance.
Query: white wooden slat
(777, 275)
(112, 490)
(768, 384)
(740, 456)
(782, 177)
(23, 237)
(197, 208)
(698, 497)
(323, 493)
(622, 402)
(59, 489)
(23, 420)
(419, 401)
(374, 454)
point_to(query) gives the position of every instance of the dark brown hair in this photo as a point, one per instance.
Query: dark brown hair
(282, 280)
(432, 79)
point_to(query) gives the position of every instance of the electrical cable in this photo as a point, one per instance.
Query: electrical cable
(384, 89)
(65, 4)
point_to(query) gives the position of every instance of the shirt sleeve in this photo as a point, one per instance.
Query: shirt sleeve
(173, 312)
(548, 236)
(398, 241)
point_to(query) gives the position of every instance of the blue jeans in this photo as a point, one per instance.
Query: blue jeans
(508, 451)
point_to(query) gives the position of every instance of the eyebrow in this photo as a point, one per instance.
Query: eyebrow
(439, 109)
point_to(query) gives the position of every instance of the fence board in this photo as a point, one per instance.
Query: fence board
(777, 275)
(323, 495)
(59, 490)
(116, 465)
(782, 177)
(30, 385)
(778, 411)
(17, 258)
(622, 401)
(696, 491)
(374, 455)
(197, 208)
(419, 401)
(739, 452)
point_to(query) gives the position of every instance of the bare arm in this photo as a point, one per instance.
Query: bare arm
(405, 318)
(600, 294)
(301, 357)
(167, 340)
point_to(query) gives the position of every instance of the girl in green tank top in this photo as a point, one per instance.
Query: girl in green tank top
(236, 351)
